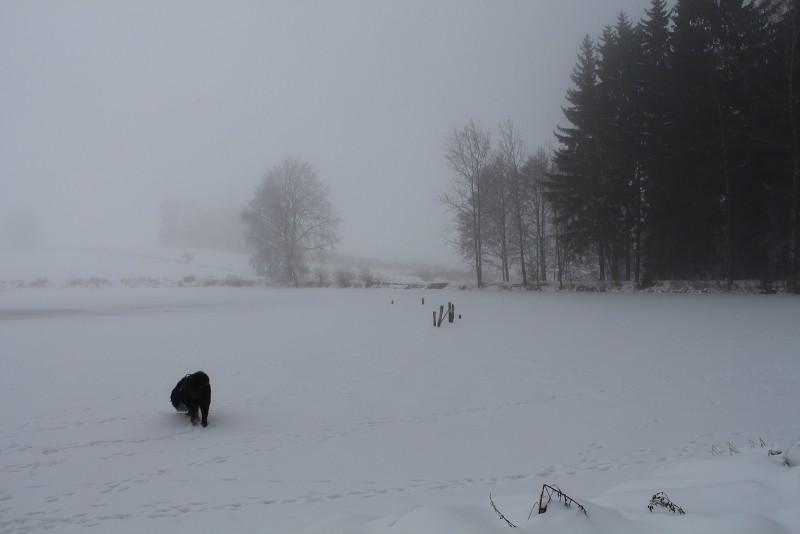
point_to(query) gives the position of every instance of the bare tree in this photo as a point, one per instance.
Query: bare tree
(288, 217)
(512, 153)
(321, 275)
(496, 211)
(537, 212)
(467, 152)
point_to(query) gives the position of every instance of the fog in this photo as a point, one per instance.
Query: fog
(111, 110)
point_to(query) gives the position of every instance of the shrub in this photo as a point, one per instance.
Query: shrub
(369, 278)
(237, 281)
(321, 276)
(344, 277)
(95, 282)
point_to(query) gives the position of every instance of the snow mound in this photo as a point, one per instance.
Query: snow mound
(740, 494)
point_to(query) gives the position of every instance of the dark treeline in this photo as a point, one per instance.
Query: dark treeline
(681, 158)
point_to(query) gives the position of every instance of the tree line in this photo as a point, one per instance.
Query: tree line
(496, 198)
(680, 158)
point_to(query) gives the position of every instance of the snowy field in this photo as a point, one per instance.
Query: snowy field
(346, 411)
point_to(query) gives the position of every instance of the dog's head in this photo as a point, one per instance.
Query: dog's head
(176, 398)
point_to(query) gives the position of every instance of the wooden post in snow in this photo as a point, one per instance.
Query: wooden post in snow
(441, 316)
(451, 312)
(434, 317)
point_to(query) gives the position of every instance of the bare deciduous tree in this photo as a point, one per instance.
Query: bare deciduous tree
(288, 217)
(467, 152)
(512, 153)
(497, 227)
(537, 212)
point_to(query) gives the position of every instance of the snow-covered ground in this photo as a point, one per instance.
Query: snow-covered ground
(346, 411)
(59, 267)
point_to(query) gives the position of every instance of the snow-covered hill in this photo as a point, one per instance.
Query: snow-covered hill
(170, 267)
(62, 267)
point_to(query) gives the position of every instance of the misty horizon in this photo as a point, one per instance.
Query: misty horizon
(111, 110)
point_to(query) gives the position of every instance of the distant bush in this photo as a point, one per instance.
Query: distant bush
(229, 281)
(93, 282)
(369, 278)
(344, 277)
(143, 281)
(39, 282)
(237, 281)
(321, 276)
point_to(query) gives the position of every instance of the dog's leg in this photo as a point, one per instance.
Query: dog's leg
(193, 408)
(205, 404)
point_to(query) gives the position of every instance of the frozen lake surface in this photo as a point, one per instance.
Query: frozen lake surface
(347, 411)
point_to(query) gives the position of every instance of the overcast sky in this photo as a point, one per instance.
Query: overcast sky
(109, 107)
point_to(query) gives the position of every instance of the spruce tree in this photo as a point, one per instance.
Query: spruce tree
(619, 54)
(656, 157)
(576, 190)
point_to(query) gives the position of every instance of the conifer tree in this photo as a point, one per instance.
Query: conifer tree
(619, 55)
(656, 159)
(577, 189)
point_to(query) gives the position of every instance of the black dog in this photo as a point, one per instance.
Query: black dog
(192, 392)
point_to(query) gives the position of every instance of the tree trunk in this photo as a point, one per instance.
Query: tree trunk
(728, 255)
(521, 249)
(794, 206)
(541, 236)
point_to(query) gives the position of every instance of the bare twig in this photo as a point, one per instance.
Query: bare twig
(504, 518)
(549, 491)
(661, 499)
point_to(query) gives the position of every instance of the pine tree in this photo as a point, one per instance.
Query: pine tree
(577, 189)
(656, 158)
(620, 54)
(781, 75)
(691, 198)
